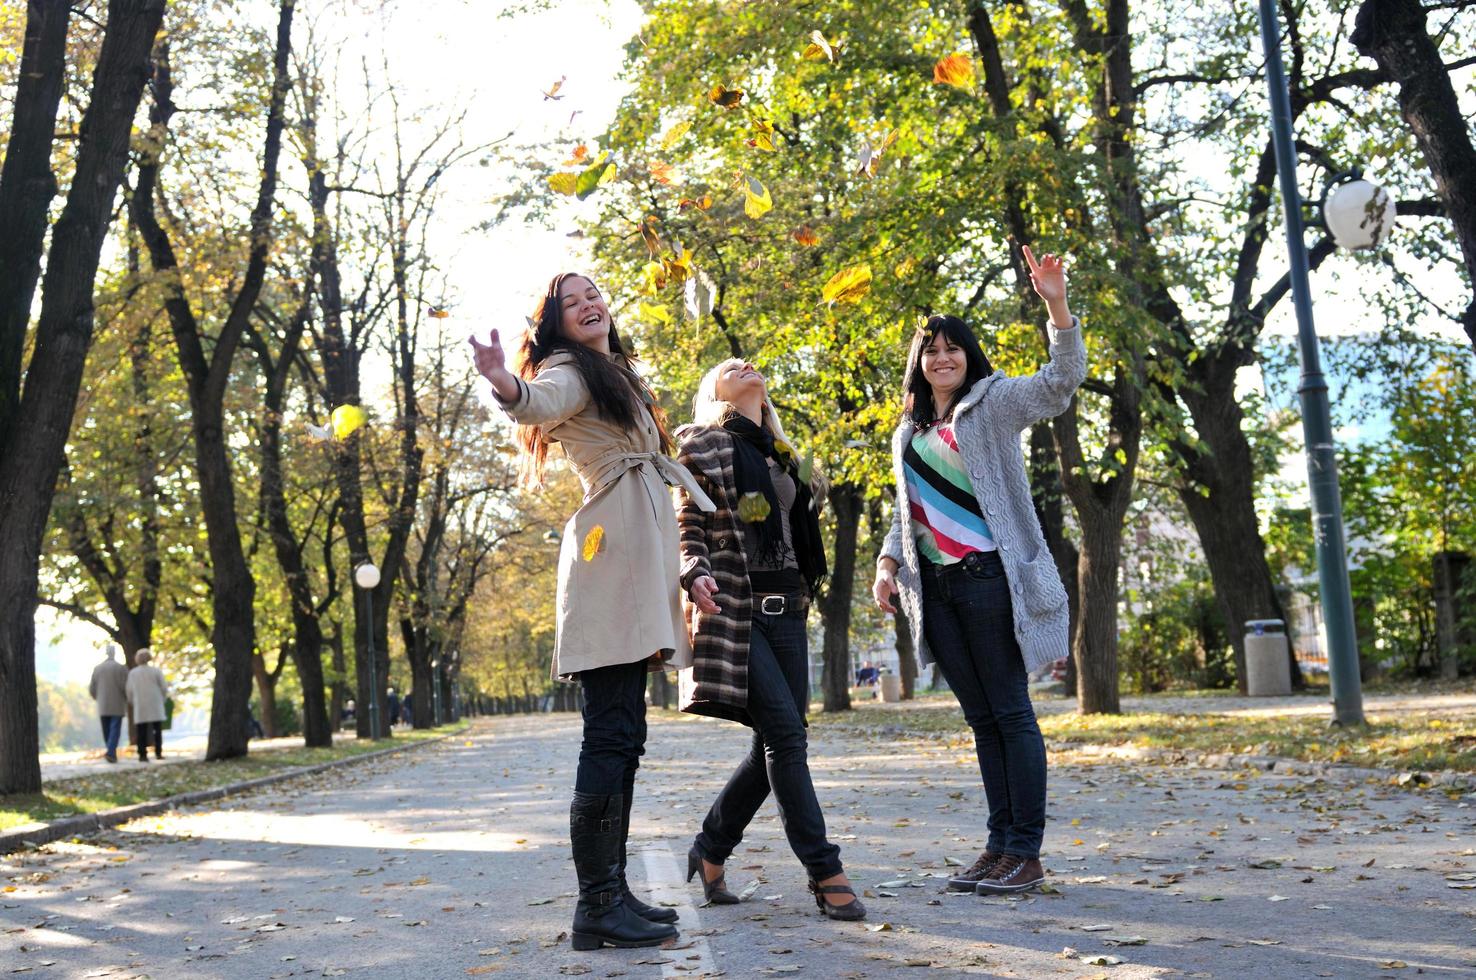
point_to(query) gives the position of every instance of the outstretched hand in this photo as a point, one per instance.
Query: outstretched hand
(490, 359)
(1048, 276)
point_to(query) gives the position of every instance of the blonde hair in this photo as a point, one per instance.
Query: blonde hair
(709, 409)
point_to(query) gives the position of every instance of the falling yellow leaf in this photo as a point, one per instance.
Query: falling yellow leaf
(658, 313)
(660, 172)
(756, 199)
(593, 543)
(956, 70)
(347, 418)
(763, 136)
(553, 92)
(678, 268)
(438, 312)
(564, 183)
(579, 156)
(805, 235)
(819, 48)
(848, 285)
(648, 235)
(675, 133)
(753, 508)
(726, 98)
(702, 203)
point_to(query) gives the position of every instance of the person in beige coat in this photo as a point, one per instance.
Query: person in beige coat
(147, 692)
(109, 690)
(619, 605)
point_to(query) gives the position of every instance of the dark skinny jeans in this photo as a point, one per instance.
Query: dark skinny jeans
(614, 728)
(778, 696)
(970, 629)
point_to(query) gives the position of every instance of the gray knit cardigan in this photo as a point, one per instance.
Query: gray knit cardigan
(987, 423)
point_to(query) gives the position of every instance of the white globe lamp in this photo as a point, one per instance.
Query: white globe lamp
(1359, 214)
(367, 575)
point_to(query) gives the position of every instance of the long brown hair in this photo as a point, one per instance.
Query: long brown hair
(616, 389)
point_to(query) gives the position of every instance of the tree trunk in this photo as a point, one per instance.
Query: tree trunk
(266, 694)
(1392, 32)
(27, 186)
(835, 604)
(906, 655)
(32, 440)
(233, 589)
(1048, 496)
(1096, 631)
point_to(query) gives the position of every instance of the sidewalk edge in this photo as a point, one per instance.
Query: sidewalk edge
(87, 823)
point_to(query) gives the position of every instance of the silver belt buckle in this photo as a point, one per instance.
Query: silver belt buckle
(764, 605)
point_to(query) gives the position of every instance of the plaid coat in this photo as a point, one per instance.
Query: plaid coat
(717, 682)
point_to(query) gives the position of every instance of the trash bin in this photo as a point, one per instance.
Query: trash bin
(1267, 659)
(891, 688)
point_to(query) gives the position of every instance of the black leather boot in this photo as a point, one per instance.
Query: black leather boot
(601, 917)
(637, 906)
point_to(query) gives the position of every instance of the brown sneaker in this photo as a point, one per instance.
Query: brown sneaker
(965, 881)
(1013, 873)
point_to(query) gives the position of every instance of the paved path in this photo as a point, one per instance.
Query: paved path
(452, 861)
(1463, 704)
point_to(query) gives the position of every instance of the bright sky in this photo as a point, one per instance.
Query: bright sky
(449, 55)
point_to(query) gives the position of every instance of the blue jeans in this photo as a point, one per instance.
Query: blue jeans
(778, 696)
(112, 728)
(969, 626)
(614, 728)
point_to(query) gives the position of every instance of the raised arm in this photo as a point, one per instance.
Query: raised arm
(1047, 393)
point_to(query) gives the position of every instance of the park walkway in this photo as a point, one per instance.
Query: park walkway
(451, 861)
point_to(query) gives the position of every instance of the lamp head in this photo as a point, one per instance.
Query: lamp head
(366, 576)
(1359, 214)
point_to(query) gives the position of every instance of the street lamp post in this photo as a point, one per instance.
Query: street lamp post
(366, 576)
(1322, 463)
(436, 690)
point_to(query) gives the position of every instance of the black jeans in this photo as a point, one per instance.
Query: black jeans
(150, 731)
(614, 728)
(970, 629)
(778, 694)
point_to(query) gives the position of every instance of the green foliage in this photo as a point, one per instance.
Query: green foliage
(1176, 638)
(68, 717)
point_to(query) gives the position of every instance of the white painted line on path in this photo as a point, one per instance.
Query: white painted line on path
(664, 884)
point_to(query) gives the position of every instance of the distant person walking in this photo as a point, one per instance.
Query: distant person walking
(147, 691)
(109, 688)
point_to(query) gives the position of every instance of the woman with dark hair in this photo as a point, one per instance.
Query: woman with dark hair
(750, 568)
(967, 554)
(620, 614)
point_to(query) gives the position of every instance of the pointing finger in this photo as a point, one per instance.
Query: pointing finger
(1030, 258)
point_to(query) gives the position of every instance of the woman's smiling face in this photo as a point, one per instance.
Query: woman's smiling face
(737, 381)
(583, 316)
(944, 366)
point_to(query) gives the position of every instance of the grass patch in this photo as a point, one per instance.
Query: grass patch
(1405, 740)
(104, 791)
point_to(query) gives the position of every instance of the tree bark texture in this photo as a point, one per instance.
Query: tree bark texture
(27, 186)
(31, 452)
(1392, 32)
(835, 604)
(233, 591)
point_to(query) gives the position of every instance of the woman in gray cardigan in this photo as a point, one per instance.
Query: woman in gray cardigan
(968, 557)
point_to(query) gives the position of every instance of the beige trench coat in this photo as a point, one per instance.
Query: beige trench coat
(624, 604)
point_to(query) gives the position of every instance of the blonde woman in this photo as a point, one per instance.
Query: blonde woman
(749, 569)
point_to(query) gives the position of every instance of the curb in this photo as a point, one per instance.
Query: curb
(88, 823)
(1414, 778)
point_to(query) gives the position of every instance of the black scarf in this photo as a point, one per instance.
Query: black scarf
(753, 446)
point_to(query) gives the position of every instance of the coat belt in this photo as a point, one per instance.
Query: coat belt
(672, 473)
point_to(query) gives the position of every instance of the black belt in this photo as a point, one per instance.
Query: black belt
(778, 605)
